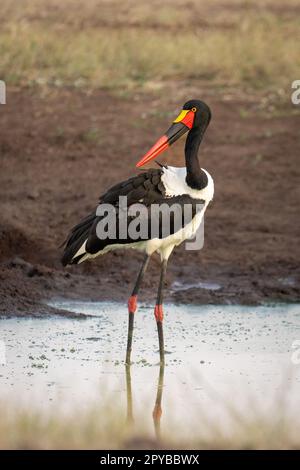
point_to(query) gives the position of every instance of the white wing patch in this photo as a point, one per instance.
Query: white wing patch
(81, 250)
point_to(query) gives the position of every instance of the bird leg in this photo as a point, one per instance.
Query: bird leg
(158, 311)
(129, 396)
(157, 412)
(132, 306)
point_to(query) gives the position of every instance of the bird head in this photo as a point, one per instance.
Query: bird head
(194, 113)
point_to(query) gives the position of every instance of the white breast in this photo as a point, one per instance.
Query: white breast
(174, 180)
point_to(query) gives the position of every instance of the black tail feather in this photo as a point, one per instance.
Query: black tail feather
(77, 236)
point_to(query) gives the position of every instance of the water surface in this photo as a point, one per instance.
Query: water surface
(217, 357)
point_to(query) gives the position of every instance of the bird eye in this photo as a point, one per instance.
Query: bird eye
(194, 110)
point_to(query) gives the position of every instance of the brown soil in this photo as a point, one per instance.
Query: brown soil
(60, 149)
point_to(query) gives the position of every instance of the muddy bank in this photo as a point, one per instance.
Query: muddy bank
(60, 149)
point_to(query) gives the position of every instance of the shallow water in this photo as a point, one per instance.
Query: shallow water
(180, 286)
(217, 357)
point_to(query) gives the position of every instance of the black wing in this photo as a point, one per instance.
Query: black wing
(146, 186)
(147, 189)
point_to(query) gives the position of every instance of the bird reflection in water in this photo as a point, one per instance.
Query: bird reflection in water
(157, 411)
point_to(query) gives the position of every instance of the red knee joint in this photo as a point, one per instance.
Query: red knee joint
(132, 304)
(158, 312)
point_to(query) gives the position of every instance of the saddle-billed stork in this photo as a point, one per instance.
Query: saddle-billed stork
(186, 185)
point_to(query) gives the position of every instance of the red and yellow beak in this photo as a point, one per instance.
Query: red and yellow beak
(182, 124)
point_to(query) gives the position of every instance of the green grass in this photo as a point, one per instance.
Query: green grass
(40, 45)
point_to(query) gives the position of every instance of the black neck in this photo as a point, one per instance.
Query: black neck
(195, 178)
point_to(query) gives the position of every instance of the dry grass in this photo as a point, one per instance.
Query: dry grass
(112, 45)
(106, 428)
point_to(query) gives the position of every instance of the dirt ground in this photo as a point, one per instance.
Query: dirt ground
(61, 148)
